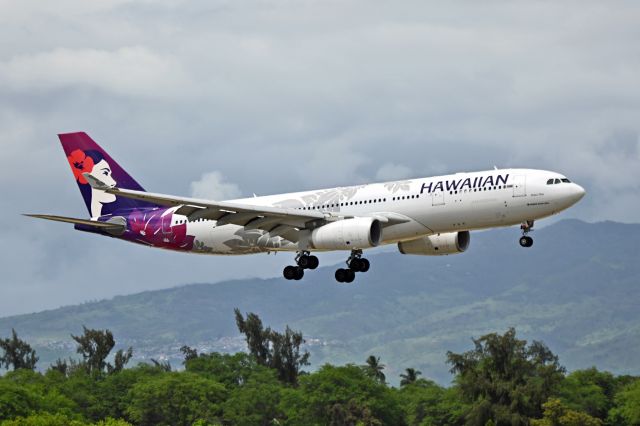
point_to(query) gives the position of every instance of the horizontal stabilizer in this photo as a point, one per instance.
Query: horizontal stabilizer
(95, 182)
(107, 226)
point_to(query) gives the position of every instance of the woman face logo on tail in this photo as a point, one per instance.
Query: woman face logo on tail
(93, 162)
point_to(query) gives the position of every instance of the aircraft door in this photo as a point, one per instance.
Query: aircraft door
(437, 198)
(519, 186)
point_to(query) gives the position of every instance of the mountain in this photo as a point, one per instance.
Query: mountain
(577, 289)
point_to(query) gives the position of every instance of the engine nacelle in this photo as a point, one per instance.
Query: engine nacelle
(347, 234)
(437, 245)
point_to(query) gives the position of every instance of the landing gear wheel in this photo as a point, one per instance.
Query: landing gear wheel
(526, 241)
(289, 272)
(359, 264)
(307, 261)
(299, 273)
(341, 275)
(350, 276)
(314, 262)
(356, 264)
(365, 265)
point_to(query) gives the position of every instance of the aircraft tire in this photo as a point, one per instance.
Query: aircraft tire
(304, 262)
(341, 275)
(365, 265)
(526, 241)
(356, 265)
(289, 272)
(314, 262)
(299, 273)
(351, 275)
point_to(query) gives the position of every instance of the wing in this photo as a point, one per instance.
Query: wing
(276, 220)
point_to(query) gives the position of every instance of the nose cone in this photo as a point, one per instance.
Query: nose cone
(577, 192)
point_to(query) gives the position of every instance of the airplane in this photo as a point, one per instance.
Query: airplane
(423, 216)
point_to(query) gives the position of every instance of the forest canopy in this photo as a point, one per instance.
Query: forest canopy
(500, 380)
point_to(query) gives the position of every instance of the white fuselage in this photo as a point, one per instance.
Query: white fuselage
(414, 207)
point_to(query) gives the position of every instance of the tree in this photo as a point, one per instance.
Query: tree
(557, 414)
(373, 369)
(189, 353)
(285, 355)
(17, 353)
(60, 366)
(256, 401)
(258, 338)
(176, 399)
(426, 403)
(16, 400)
(230, 370)
(504, 379)
(49, 419)
(120, 360)
(343, 395)
(113, 393)
(24, 392)
(410, 376)
(272, 349)
(590, 390)
(161, 365)
(95, 346)
(627, 406)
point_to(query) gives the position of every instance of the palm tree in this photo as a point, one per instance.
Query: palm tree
(374, 369)
(410, 377)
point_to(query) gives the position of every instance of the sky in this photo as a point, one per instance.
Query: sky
(222, 99)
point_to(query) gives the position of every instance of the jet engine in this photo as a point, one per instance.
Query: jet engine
(346, 234)
(437, 244)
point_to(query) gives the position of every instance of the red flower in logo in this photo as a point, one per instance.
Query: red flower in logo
(80, 163)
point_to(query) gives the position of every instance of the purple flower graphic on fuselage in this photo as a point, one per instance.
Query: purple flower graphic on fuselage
(153, 227)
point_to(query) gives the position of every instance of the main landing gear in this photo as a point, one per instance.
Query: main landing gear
(525, 240)
(304, 260)
(355, 263)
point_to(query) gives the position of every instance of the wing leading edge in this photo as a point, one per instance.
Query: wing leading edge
(278, 220)
(275, 220)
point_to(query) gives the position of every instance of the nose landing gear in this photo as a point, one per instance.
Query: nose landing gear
(525, 240)
(355, 263)
(304, 260)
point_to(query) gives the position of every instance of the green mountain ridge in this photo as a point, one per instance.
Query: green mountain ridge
(577, 289)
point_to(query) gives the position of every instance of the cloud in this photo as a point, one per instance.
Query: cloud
(128, 71)
(391, 171)
(282, 96)
(211, 186)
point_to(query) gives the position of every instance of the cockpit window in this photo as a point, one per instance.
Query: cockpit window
(565, 180)
(557, 181)
(550, 182)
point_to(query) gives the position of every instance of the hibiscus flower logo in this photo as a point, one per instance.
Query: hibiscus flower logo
(80, 163)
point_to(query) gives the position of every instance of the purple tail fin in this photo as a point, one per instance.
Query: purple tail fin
(86, 156)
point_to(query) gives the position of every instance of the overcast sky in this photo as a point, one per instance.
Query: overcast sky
(228, 98)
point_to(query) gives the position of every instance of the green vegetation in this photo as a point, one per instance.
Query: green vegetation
(576, 290)
(17, 353)
(502, 381)
(280, 351)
